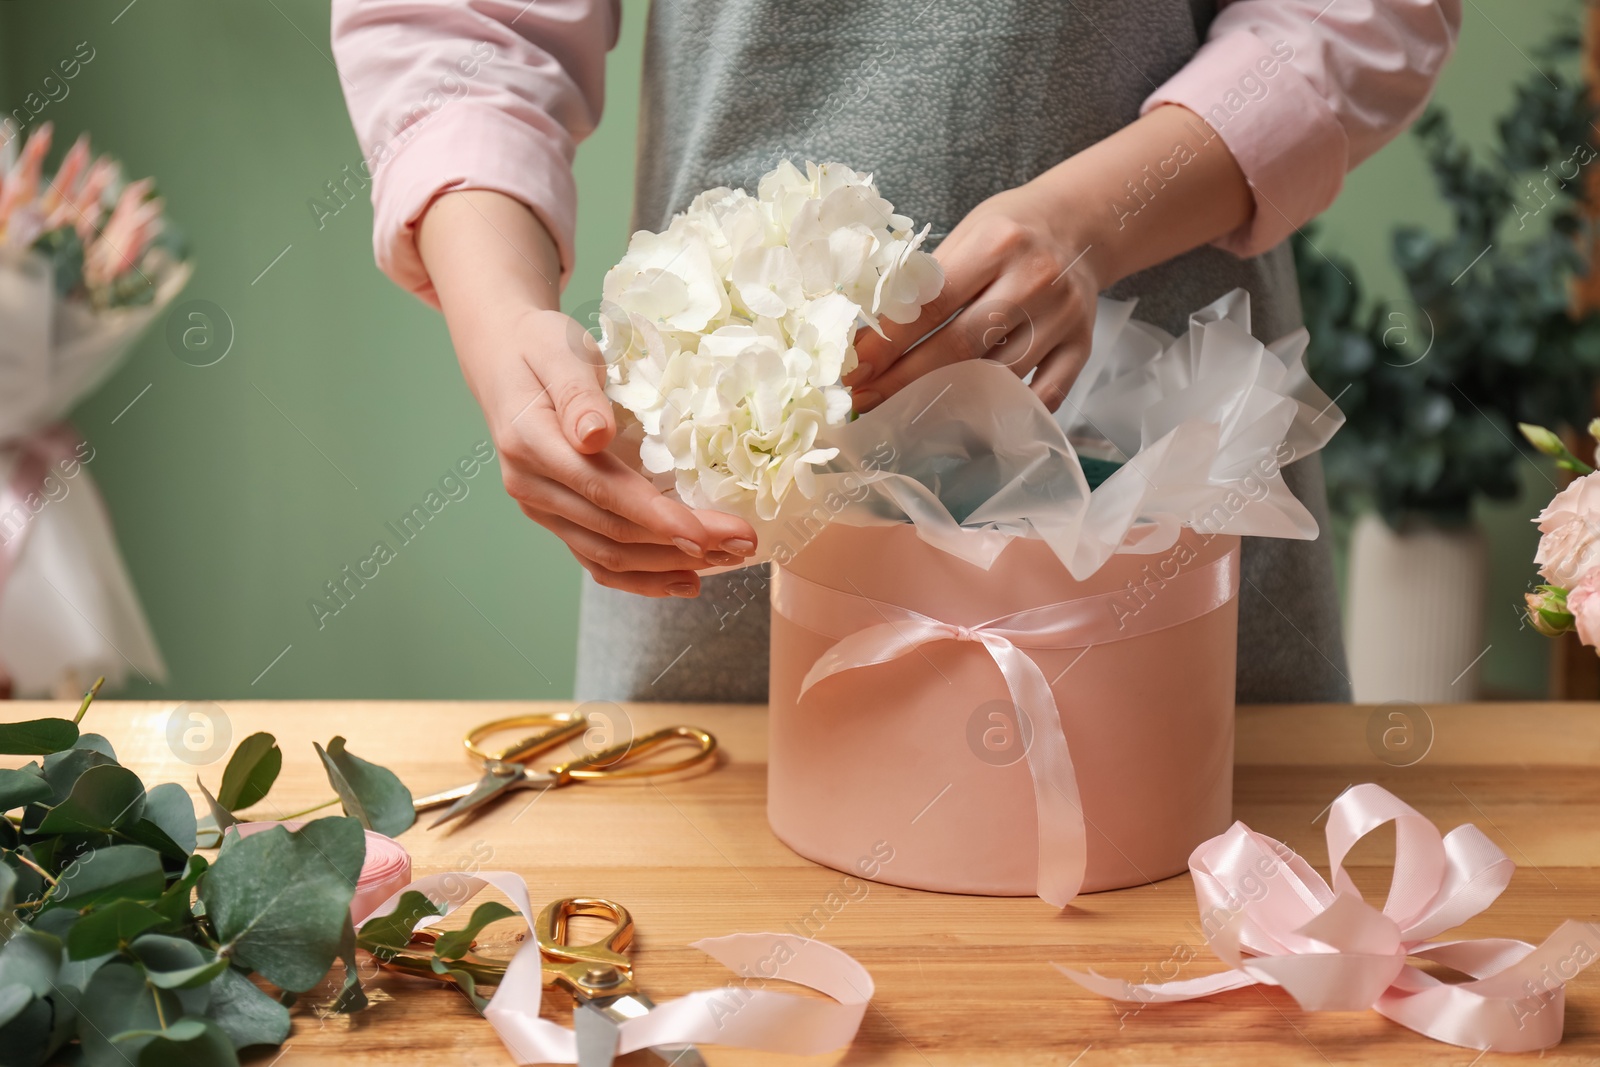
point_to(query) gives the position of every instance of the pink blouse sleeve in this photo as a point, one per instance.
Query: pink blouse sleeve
(1303, 90)
(470, 94)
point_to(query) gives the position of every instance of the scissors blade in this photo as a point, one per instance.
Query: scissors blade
(489, 787)
(679, 1055)
(598, 1034)
(632, 1006)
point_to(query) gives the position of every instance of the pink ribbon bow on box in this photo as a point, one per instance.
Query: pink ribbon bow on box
(1268, 915)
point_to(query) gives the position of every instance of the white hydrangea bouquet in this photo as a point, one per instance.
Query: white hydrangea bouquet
(726, 335)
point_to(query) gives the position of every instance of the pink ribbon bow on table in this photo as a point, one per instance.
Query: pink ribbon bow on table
(1268, 915)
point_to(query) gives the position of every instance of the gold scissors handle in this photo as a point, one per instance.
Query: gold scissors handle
(556, 727)
(597, 969)
(621, 761)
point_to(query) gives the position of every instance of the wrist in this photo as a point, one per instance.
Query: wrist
(1160, 186)
(483, 248)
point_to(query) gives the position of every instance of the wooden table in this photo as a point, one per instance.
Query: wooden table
(961, 980)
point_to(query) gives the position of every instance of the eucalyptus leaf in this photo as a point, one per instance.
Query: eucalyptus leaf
(96, 743)
(13, 998)
(57, 922)
(279, 901)
(388, 935)
(251, 770)
(190, 1042)
(351, 997)
(106, 929)
(102, 799)
(25, 785)
(168, 806)
(25, 1039)
(30, 960)
(220, 816)
(144, 832)
(463, 981)
(119, 1009)
(8, 898)
(370, 793)
(63, 769)
(175, 904)
(132, 871)
(246, 1014)
(37, 737)
(455, 943)
(175, 963)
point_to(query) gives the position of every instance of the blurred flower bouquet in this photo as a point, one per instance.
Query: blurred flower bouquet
(85, 265)
(1569, 546)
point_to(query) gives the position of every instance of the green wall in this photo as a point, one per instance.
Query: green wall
(239, 489)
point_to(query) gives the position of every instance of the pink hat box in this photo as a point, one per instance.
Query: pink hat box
(908, 743)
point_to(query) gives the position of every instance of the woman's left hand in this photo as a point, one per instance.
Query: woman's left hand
(1024, 269)
(1018, 281)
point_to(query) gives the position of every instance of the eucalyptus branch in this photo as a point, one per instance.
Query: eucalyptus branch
(88, 698)
(40, 871)
(308, 811)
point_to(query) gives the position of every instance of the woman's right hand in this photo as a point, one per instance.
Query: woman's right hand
(538, 376)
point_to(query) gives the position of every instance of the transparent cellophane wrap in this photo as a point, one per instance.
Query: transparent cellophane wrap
(68, 609)
(962, 500)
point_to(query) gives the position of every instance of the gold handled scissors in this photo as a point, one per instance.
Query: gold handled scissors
(599, 975)
(504, 770)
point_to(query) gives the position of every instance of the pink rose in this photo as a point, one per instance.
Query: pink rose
(1583, 600)
(1569, 546)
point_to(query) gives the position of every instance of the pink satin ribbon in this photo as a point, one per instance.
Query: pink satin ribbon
(869, 632)
(741, 1014)
(38, 453)
(1268, 915)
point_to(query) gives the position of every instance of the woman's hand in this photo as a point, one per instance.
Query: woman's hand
(538, 376)
(1024, 269)
(1022, 290)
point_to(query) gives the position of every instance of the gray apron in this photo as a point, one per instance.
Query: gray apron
(946, 102)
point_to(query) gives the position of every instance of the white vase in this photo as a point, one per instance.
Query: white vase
(1414, 622)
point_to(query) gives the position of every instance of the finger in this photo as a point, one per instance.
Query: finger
(572, 374)
(1058, 370)
(965, 275)
(542, 499)
(729, 533)
(727, 539)
(620, 555)
(602, 479)
(994, 326)
(644, 583)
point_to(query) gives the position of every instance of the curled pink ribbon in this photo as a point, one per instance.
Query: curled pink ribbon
(1268, 915)
(741, 1014)
(869, 632)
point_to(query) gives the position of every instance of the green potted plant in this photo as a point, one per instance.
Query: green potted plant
(1433, 386)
